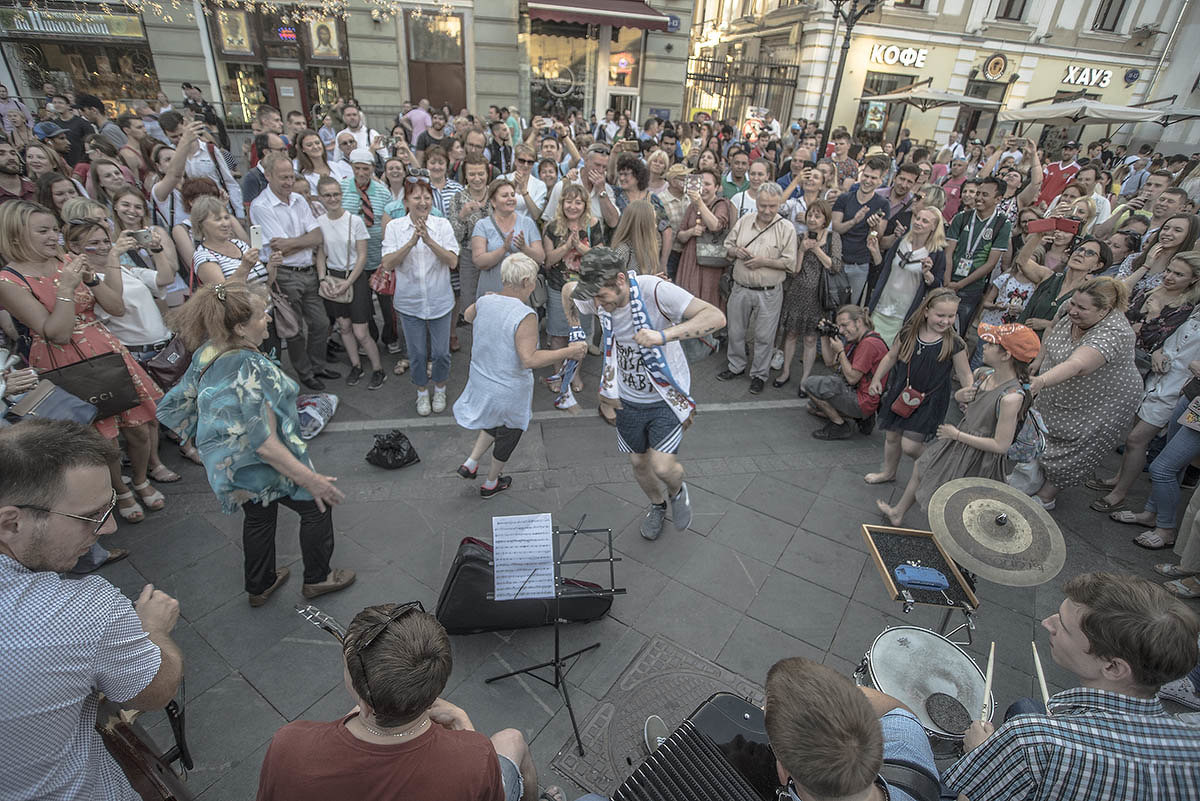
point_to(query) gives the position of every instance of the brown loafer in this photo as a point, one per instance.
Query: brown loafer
(281, 575)
(115, 555)
(338, 579)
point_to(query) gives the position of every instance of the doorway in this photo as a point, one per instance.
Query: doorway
(288, 92)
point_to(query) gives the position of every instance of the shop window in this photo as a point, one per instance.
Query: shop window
(1012, 10)
(562, 61)
(980, 121)
(879, 121)
(436, 70)
(116, 73)
(917, 4)
(625, 58)
(1108, 16)
(244, 90)
(327, 84)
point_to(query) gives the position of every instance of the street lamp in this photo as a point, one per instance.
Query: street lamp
(850, 11)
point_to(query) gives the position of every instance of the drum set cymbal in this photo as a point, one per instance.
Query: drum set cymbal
(996, 532)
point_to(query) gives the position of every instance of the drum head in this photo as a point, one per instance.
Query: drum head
(910, 664)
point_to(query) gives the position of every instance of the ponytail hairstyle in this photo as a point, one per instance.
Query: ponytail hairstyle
(906, 341)
(214, 310)
(1107, 293)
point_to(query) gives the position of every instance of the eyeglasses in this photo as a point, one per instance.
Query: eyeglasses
(1095, 254)
(112, 504)
(371, 635)
(525, 161)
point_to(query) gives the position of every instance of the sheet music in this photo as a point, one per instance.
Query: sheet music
(524, 556)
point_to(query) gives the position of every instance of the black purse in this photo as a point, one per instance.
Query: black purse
(392, 451)
(168, 365)
(102, 381)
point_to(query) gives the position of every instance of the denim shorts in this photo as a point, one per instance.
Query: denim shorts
(510, 775)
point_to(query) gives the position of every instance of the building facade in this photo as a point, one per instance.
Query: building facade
(537, 55)
(1010, 51)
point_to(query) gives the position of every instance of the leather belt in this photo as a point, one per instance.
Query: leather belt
(299, 268)
(147, 348)
(758, 288)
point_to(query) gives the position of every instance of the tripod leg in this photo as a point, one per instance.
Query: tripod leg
(522, 670)
(571, 712)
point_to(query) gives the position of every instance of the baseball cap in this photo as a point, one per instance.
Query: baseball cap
(1073, 145)
(795, 126)
(1021, 342)
(360, 155)
(676, 170)
(597, 267)
(48, 130)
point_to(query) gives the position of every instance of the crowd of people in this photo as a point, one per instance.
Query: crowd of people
(1021, 287)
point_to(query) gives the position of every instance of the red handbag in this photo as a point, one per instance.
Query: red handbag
(909, 398)
(383, 281)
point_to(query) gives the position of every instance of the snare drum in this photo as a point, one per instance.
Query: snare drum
(911, 664)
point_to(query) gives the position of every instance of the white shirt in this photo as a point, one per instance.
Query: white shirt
(338, 235)
(957, 151)
(743, 204)
(537, 191)
(1015, 155)
(142, 323)
(201, 165)
(63, 640)
(363, 136)
(339, 170)
(287, 220)
(633, 379)
(422, 281)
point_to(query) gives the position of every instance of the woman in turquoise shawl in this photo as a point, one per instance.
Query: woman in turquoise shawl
(241, 409)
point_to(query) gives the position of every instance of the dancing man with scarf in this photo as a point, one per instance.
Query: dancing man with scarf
(645, 377)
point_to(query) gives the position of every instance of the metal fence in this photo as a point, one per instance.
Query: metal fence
(737, 84)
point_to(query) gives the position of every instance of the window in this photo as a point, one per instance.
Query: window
(1108, 16)
(435, 39)
(917, 4)
(1013, 10)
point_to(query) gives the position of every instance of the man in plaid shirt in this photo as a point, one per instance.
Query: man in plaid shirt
(1109, 738)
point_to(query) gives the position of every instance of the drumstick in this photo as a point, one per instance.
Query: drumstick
(1037, 664)
(987, 683)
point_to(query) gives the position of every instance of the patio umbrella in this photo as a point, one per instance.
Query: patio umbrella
(1080, 112)
(926, 99)
(1175, 113)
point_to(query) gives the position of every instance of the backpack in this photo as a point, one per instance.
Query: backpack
(1029, 443)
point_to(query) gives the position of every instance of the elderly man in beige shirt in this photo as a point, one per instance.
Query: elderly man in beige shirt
(763, 247)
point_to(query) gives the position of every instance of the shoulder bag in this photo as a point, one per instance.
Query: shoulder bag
(51, 402)
(833, 289)
(168, 365)
(102, 381)
(325, 289)
(287, 319)
(710, 246)
(909, 398)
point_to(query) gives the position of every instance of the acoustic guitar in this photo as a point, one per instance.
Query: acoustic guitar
(149, 773)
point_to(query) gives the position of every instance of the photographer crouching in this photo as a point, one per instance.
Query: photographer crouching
(855, 350)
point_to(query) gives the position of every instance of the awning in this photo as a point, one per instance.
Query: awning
(619, 13)
(926, 99)
(1080, 112)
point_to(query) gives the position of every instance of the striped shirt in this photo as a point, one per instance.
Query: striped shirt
(1095, 745)
(352, 202)
(258, 273)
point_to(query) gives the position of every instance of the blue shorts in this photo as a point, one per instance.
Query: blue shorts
(510, 777)
(648, 426)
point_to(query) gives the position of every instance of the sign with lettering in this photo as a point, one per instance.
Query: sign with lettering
(1079, 75)
(27, 21)
(894, 54)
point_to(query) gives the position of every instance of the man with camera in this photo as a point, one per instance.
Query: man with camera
(856, 351)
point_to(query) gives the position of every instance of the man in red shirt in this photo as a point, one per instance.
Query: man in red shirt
(843, 397)
(1059, 174)
(13, 186)
(953, 185)
(401, 741)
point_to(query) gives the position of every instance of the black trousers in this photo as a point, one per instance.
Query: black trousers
(506, 441)
(258, 541)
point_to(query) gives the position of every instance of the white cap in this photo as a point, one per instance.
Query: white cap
(360, 155)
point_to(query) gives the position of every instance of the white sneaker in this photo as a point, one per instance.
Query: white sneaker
(1181, 692)
(777, 359)
(394, 348)
(423, 407)
(439, 400)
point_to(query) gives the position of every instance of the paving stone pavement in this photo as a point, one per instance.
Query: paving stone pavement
(774, 565)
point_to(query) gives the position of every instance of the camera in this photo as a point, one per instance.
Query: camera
(813, 234)
(143, 236)
(827, 329)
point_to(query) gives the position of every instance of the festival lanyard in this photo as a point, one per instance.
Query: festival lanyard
(973, 241)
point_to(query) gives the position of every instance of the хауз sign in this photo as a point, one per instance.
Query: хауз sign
(1087, 76)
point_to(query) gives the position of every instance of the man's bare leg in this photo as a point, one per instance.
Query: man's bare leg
(511, 743)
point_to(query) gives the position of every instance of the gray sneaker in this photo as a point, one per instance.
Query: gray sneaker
(654, 733)
(681, 508)
(652, 523)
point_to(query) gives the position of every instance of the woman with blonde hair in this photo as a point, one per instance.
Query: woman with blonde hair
(1087, 385)
(56, 297)
(129, 214)
(1084, 210)
(566, 238)
(657, 164)
(232, 386)
(910, 268)
(104, 179)
(636, 239)
(498, 398)
(1177, 234)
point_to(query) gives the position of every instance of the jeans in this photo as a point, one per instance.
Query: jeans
(436, 348)
(968, 302)
(258, 541)
(1183, 445)
(857, 275)
(673, 263)
(306, 349)
(977, 355)
(741, 306)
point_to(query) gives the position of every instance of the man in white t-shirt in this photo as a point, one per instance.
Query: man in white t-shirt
(364, 135)
(650, 416)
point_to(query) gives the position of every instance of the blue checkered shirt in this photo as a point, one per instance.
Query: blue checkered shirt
(1095, 746)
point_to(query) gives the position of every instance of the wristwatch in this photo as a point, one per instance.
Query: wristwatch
(94, 282)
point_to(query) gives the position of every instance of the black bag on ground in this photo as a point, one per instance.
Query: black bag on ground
(464, 608)
(392, 451)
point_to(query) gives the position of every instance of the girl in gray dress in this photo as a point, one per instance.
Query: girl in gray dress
(997, 402)
(498, 399)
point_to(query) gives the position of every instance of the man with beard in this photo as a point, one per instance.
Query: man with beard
(13, 186)
(435, 134)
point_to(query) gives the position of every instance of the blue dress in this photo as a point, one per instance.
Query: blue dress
(499, 388)
(223, 411)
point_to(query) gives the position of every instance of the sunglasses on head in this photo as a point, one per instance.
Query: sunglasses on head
(417, 175)
(372, 634)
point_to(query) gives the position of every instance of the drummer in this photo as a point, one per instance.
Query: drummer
(1123, 637)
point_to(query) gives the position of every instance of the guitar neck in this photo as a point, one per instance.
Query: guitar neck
(321, 620)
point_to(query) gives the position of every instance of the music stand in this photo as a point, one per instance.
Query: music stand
(559, 662)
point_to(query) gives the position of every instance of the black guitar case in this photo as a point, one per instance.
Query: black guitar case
(464, 608)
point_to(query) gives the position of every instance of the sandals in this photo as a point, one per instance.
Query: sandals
(553, 384)
(1174, 571)
(1151, 541)
(1183, 588)
(1101, 505)
(130, 514)
(190, 453)
(552, 793)
(1099, 485)
(163, 474)
(612, 421)
(401, 367)
(155, 501)
(1127, 517)
(867, 478)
